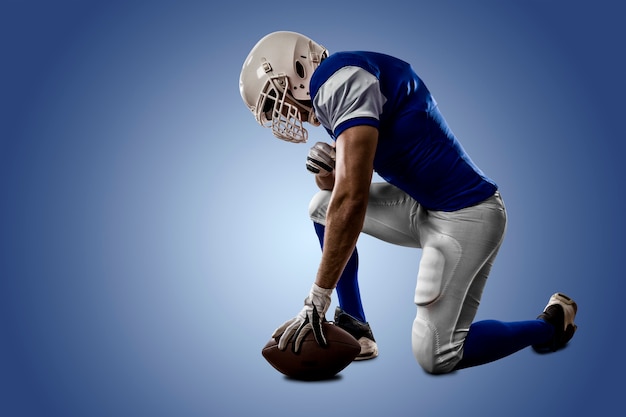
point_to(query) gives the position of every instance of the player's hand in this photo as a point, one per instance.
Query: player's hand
(321, 159)
(310, 318)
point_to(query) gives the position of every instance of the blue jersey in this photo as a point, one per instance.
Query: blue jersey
(416, 152)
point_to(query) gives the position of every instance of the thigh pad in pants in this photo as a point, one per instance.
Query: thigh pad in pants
(438, 262)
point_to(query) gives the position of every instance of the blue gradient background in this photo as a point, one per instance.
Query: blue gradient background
(152, 235)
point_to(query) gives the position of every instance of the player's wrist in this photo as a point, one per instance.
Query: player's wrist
(326, 182)
(320, 298)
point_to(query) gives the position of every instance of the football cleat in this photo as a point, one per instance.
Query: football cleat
(362, 332)
(559, 312)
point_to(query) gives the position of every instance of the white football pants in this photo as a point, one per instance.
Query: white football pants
(458, 251)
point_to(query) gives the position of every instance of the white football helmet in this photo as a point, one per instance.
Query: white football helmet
(274, 83)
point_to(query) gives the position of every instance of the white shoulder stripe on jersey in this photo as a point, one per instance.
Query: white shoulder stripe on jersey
(349, 93)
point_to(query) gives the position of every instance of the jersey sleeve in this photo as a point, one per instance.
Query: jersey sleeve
(350, 97)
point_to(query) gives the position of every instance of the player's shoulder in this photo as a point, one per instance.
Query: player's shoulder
(339, 60)
(372, 62)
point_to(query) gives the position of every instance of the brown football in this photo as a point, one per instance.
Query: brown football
(314, 362)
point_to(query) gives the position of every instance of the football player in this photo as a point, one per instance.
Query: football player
(382, 118)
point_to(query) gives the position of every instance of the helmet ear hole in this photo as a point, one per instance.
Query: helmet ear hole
(300, 70)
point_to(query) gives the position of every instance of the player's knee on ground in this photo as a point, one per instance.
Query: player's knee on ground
(431, 355)
(318, 206)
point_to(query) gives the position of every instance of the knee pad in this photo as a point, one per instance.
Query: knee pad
(432, 354)
(319, 206)
(424, 342)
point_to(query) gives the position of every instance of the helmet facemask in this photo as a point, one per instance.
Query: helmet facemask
(282, 113)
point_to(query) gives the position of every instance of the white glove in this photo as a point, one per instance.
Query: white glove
(321, 159)
(311, 317)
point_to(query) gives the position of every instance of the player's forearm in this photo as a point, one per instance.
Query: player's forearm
(344, 221)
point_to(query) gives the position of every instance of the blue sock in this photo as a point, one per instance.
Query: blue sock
(490, 340)
(348, 285)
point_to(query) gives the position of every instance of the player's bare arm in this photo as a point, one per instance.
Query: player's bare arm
(355, 149)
